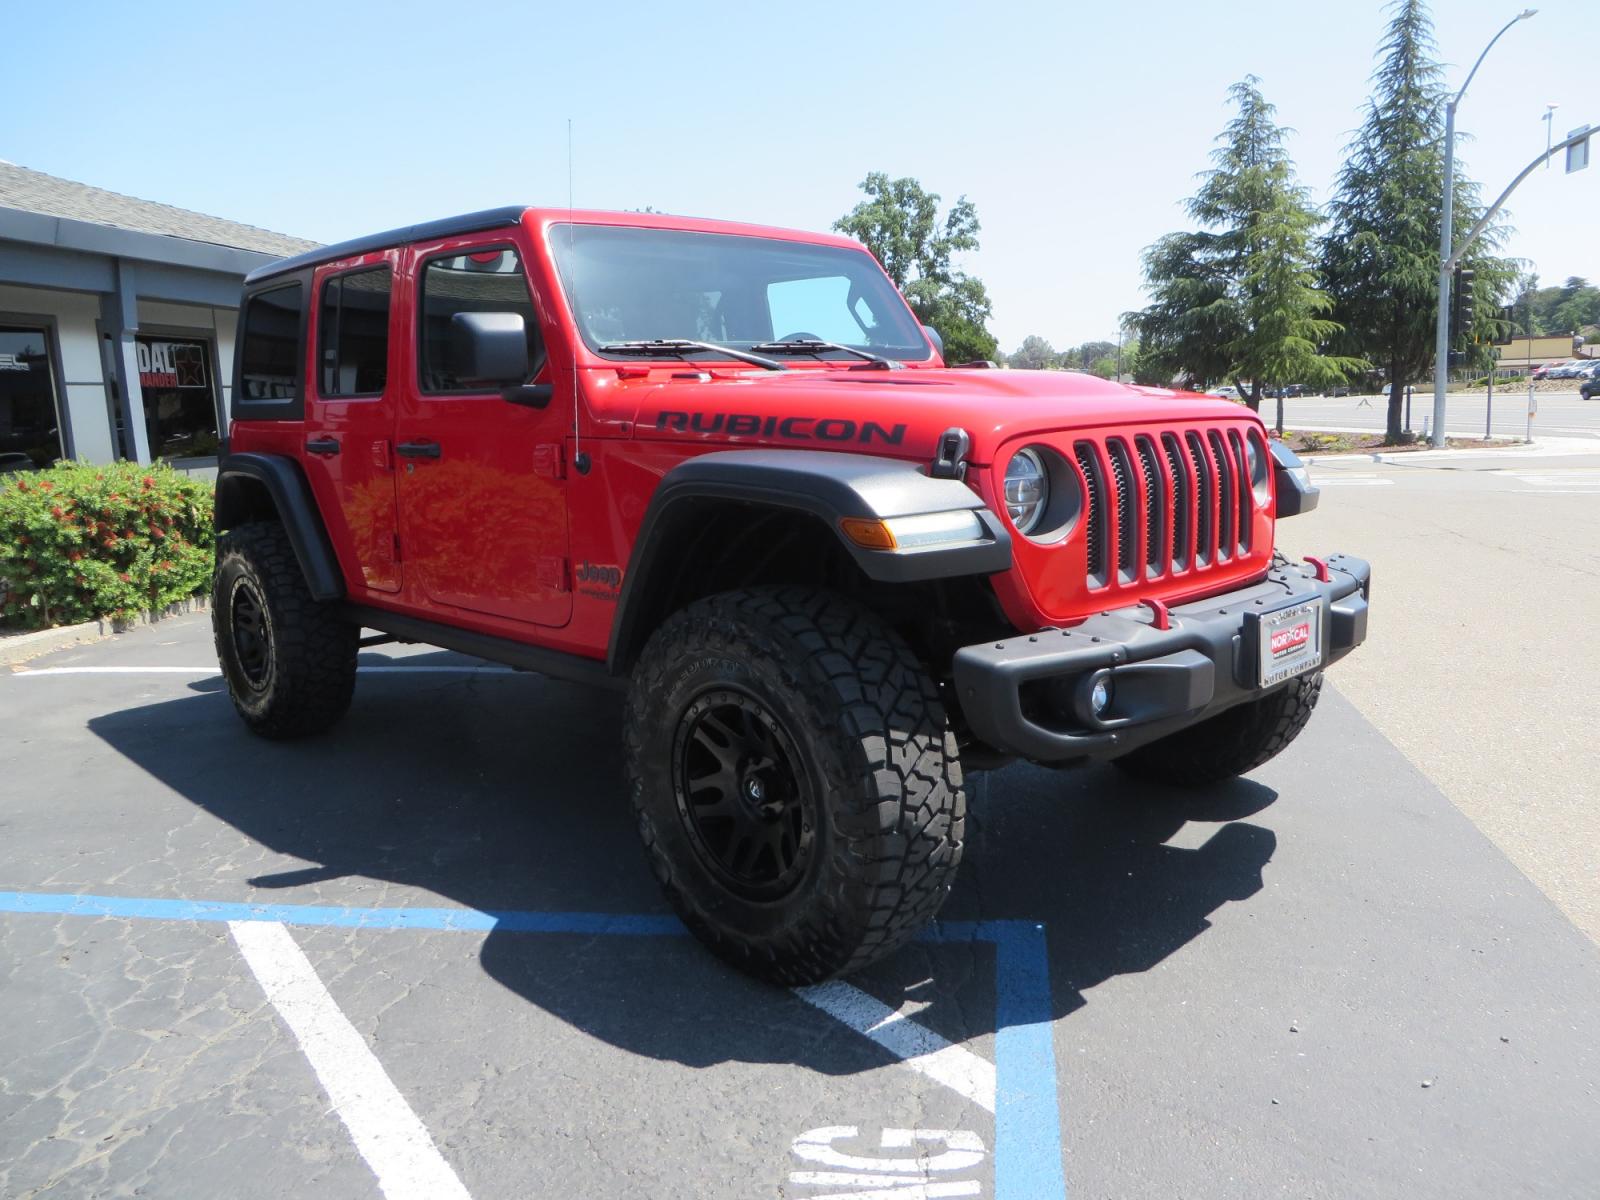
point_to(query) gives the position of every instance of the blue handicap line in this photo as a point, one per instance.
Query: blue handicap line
(448, 919)
(1027, 1157)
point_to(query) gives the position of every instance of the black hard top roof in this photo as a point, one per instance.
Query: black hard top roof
(489, 218)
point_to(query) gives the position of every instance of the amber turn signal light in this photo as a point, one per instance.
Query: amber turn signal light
(868, 533)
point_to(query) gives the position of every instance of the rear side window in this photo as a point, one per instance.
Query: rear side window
(269, 347)
(353, 334)
(489, 280)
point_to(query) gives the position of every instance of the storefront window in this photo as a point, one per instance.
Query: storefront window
(180, 407)
(30, 434)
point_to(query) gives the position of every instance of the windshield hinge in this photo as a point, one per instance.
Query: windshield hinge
(950, 456)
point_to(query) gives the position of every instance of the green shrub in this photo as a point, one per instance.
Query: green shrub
(80, 541)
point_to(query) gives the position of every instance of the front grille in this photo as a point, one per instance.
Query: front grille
(1155, 510)
(1164, 503)
(1094, 514)
(1122, 494)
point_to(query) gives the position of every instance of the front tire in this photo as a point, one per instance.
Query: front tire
(1230, 743)
(795, 780)
(289, 660)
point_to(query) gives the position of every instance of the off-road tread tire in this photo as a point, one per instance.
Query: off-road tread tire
(892, 798)
(312, 674)
(1230, 743)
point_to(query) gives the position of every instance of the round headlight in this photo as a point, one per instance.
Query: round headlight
(1255, 458)
(1027, 490)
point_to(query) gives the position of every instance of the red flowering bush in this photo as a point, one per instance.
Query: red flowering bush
(80, 541)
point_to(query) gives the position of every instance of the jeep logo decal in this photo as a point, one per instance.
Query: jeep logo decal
(602, 580)
(798, 429)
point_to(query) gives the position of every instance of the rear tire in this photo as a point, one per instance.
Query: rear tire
(1230, 743)
(289, 660)
(795, 780)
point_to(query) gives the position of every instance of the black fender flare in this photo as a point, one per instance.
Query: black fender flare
(286, 486)
(1292, 482)
(828, 485)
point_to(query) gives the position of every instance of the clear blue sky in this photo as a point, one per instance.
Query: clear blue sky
(1075, 129)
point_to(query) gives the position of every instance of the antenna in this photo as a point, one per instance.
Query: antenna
(580, 458)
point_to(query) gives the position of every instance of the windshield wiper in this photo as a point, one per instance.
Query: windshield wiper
(678, 347)
(812, 345)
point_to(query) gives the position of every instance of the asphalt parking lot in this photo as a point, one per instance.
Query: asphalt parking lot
(423, 957)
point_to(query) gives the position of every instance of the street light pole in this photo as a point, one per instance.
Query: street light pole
(1441, 339)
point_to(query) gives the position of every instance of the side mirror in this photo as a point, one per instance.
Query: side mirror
(933, 336)
(491, 347)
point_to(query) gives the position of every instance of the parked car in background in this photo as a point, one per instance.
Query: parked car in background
(1540, 371)
(1590, 387)
(1226, 392)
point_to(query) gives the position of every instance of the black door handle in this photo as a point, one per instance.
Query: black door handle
(418, 449)
(322, 445)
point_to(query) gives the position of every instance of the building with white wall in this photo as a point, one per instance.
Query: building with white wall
(117, 318)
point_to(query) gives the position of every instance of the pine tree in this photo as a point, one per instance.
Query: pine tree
(1239, 299)
(1380, 257)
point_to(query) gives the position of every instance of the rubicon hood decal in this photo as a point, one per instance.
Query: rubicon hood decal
(793, 428)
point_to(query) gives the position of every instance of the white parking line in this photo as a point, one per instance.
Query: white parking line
(921, 1049)
(1321, 480)
(387, 1133)
(212, 670)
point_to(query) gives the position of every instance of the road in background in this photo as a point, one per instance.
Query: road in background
(1481, 662)
(1564, 414)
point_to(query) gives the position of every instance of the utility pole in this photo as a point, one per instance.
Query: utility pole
(1441, 348)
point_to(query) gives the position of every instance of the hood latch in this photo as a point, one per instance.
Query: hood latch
(950, 456)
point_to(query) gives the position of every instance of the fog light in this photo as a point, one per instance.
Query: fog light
(1100, 696)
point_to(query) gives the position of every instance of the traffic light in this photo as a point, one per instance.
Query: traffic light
(1461, 306)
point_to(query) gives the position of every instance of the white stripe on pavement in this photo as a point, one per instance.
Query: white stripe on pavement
(212, 670)
(1322, 481)
(921, 1049)
(388, 1134)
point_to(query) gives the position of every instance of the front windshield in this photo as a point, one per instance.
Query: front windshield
(628, 284)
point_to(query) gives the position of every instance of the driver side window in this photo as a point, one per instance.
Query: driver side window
(487, 280)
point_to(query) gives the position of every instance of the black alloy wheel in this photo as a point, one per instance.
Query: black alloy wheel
(252, 633)
(748, 807)
(795, 778)
(289, 660)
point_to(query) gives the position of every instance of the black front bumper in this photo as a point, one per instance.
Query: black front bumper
(1026, 695)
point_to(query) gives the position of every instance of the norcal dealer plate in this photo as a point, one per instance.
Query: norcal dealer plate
(1289, 641)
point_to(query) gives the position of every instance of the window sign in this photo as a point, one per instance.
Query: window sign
(30, 434)
(180, 411)
(164, 364)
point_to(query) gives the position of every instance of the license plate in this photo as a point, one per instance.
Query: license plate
(1290, 641)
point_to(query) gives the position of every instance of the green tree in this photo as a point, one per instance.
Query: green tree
(1239, 298)
(1577, 305)
(899, 222)
(1555, 310)
(1035, 354)
(1380, 257)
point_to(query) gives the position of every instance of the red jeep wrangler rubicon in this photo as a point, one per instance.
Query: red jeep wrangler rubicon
(722, 467)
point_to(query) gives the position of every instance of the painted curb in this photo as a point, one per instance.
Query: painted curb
(20, 647)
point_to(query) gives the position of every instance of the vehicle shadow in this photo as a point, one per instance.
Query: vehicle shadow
(503, 792)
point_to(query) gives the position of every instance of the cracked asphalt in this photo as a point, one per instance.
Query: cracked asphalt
(1319, 981)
